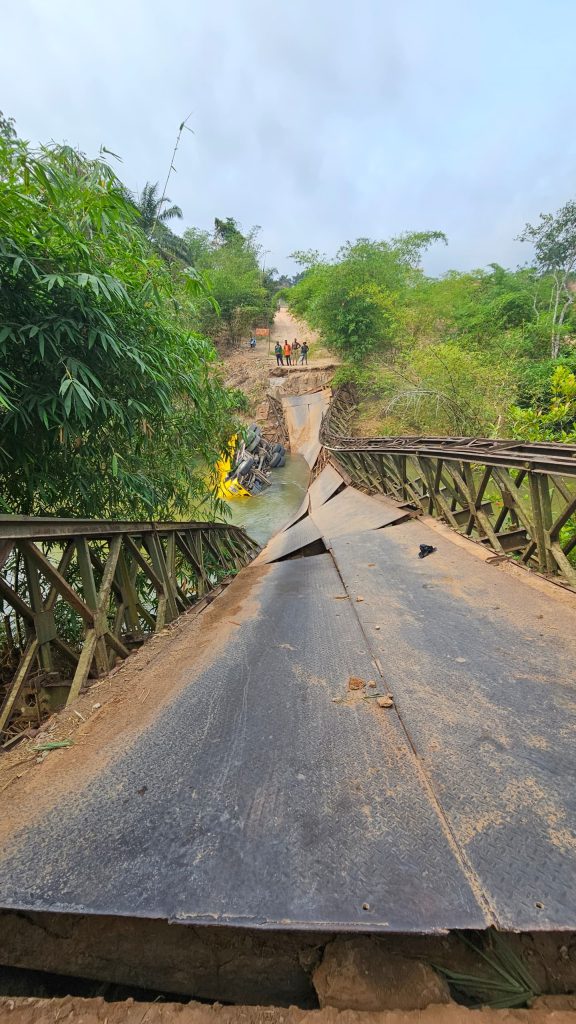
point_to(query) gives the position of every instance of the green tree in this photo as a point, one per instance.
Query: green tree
(7, 128)
(108, 401)
(153, 209)
(226, 231)
(443, 389)
(198, 247)
(554, 420)
(230, 260)
(554, 241)
(354, 300)
(155, 215)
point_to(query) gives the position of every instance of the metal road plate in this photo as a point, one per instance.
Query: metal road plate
(481, 665)
(253, 799)
(352, 511)
(303, 416)
(289, 542)
(309, 398)
(310, 450)
(299, 514)
(324, 486)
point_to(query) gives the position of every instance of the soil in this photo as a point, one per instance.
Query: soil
(245, 965)
(251, 370)
(97, 1011)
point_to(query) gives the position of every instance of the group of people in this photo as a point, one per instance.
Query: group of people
(290, 354)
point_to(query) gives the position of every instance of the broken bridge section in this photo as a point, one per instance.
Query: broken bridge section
(303, 416)
(480, 666)
(254, 799)
(268, 794)
(330, 510)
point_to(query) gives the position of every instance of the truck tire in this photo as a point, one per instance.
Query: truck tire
(245, 467)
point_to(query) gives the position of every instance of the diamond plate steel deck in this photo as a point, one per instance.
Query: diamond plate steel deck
(351, 511)
(303, 416)
(299, 514)
(481, 665)
(253, 799)
(289, 541)
(346, 512)
(324, 486)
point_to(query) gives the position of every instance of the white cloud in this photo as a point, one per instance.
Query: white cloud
(322, 120)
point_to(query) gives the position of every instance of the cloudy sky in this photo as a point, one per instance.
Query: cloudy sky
(321, 120)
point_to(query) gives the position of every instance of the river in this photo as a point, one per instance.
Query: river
(264, 514)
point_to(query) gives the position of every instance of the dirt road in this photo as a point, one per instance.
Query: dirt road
(97, 1011)
(250, 369)
(286, 327)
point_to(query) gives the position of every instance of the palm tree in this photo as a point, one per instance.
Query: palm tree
(153, 209)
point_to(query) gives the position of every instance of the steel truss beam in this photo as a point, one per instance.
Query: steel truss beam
(518, 499)
(78, 594)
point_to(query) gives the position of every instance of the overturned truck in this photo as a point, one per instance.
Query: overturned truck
(246, 469)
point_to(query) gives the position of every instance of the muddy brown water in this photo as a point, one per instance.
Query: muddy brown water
(264, 514)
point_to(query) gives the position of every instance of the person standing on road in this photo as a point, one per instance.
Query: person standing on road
(295, 346)
(304, 354)
(278, 354)
(288, 352)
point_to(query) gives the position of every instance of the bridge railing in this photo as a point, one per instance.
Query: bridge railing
(79, 594)
(517, 498)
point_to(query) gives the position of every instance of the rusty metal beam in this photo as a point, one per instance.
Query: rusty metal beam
(124, 583)
(518, 498)
(538, 457)
(14, 528)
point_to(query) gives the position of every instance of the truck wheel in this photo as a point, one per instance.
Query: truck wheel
(245, 467)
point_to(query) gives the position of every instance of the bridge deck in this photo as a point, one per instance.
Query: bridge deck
(254, 798)
(482, 671)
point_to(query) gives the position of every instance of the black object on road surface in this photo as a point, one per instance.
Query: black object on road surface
(425, 549)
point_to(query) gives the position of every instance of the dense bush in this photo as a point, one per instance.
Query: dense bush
(109, 403)
(243, 294)
(354, 301)
(461, 354)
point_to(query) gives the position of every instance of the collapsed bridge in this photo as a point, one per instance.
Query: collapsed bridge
(264, 786)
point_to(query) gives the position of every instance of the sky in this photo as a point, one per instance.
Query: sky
(320, 120)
